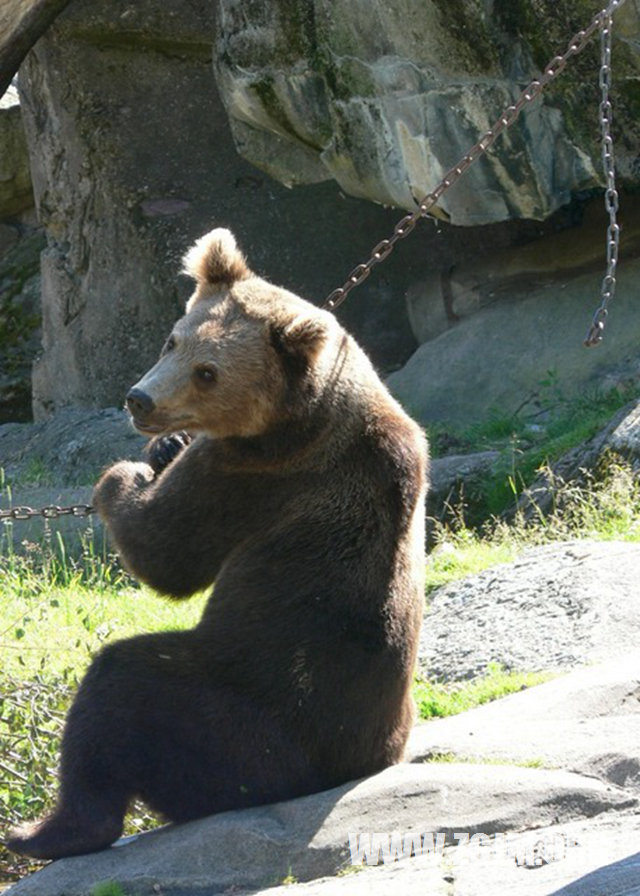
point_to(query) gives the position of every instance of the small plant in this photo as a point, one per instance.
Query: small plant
(485, 760)
(107, 888)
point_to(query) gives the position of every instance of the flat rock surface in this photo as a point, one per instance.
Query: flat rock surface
(309, 838)
(589, 720)
(556, 607)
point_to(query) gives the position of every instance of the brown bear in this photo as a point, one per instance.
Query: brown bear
(299, 490)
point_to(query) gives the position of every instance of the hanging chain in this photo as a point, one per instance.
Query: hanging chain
(404, 227)
(596, 331)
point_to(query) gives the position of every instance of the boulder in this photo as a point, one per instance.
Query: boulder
(496, 363)
(556, 607)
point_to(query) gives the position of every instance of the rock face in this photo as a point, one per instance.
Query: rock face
(386, 97)
(546, 780)
(16, 194)
(555, 608)
(20, 320)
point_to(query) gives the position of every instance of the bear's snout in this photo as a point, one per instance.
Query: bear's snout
(139, 403)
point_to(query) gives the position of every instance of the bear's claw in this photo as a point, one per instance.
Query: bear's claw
(164, 449)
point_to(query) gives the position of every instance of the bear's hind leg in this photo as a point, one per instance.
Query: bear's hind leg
(147, 721)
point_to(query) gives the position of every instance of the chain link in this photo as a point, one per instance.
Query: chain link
(404, 227)
(51, 512)
(611, 199)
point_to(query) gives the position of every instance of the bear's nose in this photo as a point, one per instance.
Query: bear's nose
(139, 403)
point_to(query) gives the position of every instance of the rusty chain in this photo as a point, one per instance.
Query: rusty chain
(404, 227)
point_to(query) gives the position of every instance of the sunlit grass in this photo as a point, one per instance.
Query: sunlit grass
(437, 700)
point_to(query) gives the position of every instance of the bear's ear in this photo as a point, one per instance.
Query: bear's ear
(215, 260)
(300, 340)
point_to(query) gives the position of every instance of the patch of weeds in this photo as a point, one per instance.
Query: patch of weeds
(347, 870)
(454, 758)
(439, 700)
(107, 888)
(604, 505)
(543, 429)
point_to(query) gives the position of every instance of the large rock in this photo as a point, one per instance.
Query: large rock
(497, 362)
(556, 607)
(386, 97)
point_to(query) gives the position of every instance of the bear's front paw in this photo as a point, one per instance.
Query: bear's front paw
(162, 450)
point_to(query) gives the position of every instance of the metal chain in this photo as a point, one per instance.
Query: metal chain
(404, 227)
(611, 200)
(51, 512)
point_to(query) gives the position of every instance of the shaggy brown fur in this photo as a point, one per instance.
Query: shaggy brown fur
(302, 497)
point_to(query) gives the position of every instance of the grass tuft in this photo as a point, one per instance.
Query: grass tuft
(438, 700)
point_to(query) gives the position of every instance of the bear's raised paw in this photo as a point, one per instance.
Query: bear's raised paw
(161, 451)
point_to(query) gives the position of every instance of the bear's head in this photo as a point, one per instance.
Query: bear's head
(235, 362)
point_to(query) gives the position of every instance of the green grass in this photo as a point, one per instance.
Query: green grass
(544, 428)
(605, 506)
(438, 700)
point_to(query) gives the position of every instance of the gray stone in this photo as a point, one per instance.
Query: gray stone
(596, 858)
(587, 721)
(496, 362)
(309, 837)
(556, 607)
(69, 449)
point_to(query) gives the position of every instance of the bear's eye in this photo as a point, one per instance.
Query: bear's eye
(205, 374)
(169, 345)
